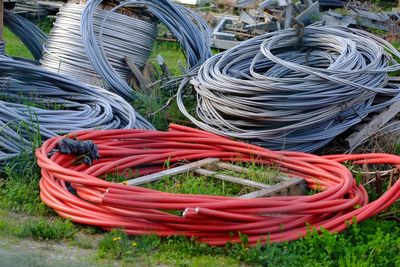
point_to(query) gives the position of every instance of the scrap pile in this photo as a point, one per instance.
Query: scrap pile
(267, 17)
(290, 88)
(359, 14)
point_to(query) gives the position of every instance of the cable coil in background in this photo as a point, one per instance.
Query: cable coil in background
(211, 219)
(36, 103)
(190, 30)
(297, 92)
(30, 34)
(123, 35)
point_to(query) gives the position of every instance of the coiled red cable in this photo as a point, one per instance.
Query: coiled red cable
(211, 219)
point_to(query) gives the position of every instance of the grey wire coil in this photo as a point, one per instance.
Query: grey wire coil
(37, 103)
(285, 91)
(31, 35)
(121, 36)
(189, 29)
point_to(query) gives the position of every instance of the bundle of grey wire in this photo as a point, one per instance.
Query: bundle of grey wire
(285, 90)
(122, 36)
(30, 34)
(189, 29)
(36, 103)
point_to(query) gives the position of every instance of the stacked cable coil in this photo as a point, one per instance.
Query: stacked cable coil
(190, 30)
(30, 34)
(122, 36)
(76, 191)
(37, 104)
(294, 90)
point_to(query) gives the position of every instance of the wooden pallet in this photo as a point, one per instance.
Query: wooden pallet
(209, 168)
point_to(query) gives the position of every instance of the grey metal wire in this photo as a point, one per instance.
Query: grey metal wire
(30, 34)
(121, 36)
(37, 103)
(285, 91)
(188, 28)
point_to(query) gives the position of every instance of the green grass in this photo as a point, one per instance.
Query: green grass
(172, 54)
(45, 229)
(371, 243)
(190, 183)
(19, 190)
(14, 46)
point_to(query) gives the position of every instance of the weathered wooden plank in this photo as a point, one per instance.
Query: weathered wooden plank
(296, 187)
(374, 126)
(138, 75)
(173, 171)
(231, 179)
(231, 167)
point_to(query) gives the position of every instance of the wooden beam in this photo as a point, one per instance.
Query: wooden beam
(232, 179)
(372, 127)
(173, 171)
(138, 75)
(295, 187)
(231, 167)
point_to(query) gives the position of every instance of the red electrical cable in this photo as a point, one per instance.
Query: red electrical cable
(211, 219)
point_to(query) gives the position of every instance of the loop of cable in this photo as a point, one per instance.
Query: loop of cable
(37, 104)
(215, 220)
(282, 94)
(122, 36)
(188, 28)
(30, 34)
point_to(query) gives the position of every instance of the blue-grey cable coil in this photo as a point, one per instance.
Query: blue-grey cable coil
(37, 103)
(30, 34)
(122, 36)
(282, 90)
(188, 28)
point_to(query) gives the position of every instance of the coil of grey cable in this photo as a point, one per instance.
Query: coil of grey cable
(288, 91)
(37, 103)
(122, 36)
(31, 35)
(189, 29)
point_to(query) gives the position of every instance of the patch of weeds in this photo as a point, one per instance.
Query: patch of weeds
(19, 191)
(155, 109)
(46, 24)
(151, 250)
(42, 229)
(83, 241)
(191, 184)
(7, 225)
(14, 46)
(115, 245)
(181, 251)
(367, 244)
(90, 230)
(172, 54)
(114, 178)
(370, 243)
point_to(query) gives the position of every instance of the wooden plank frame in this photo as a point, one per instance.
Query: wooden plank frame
(208, 167)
